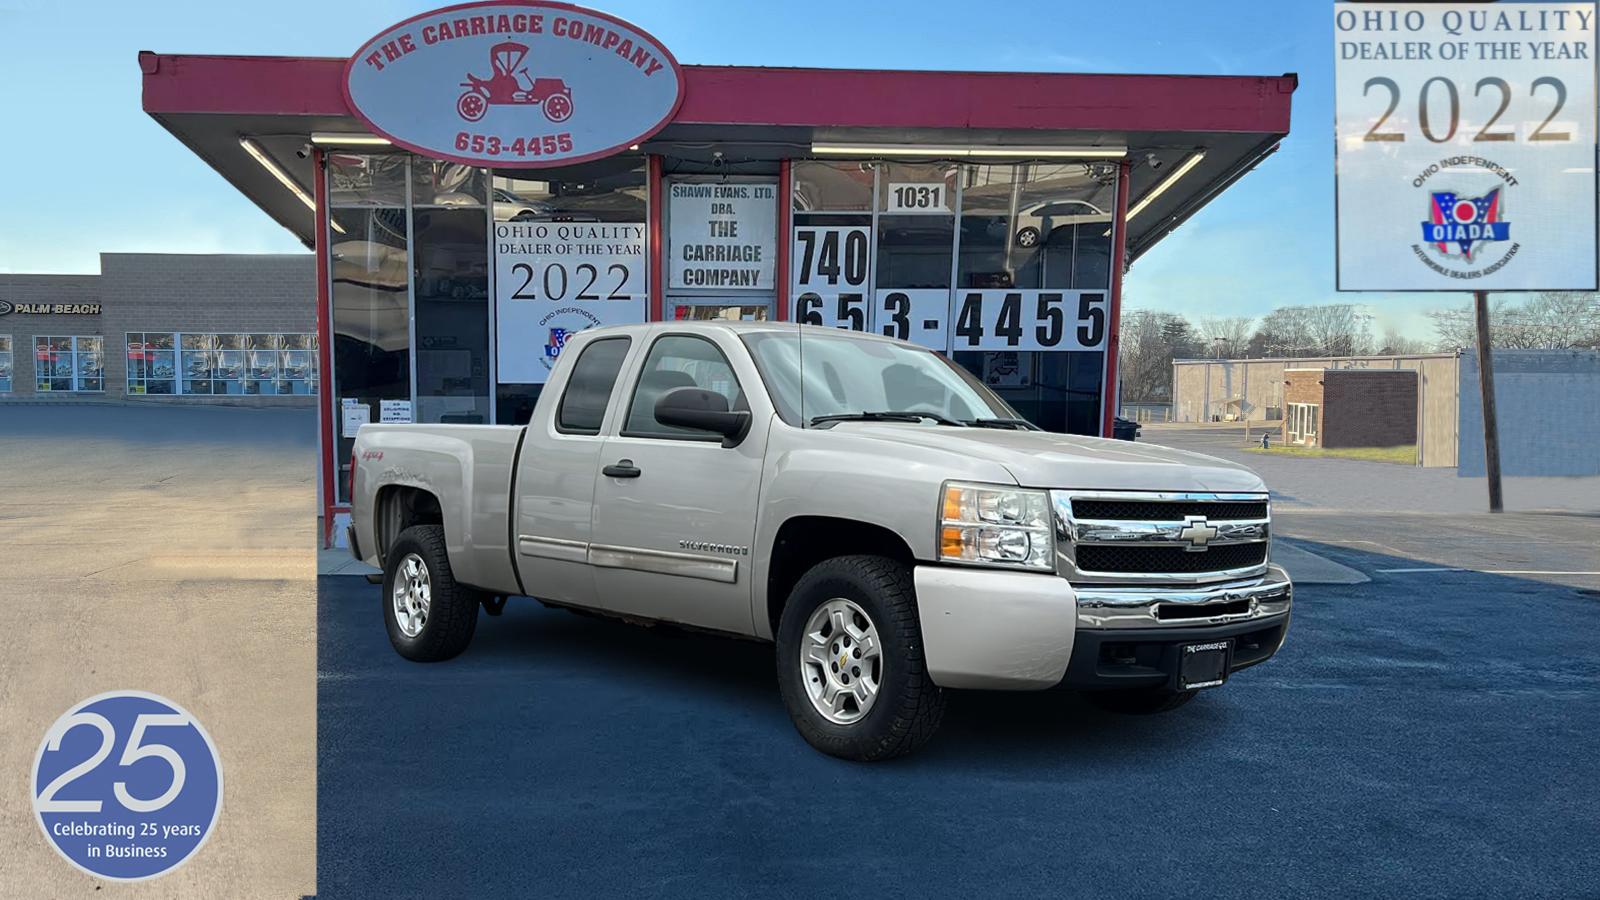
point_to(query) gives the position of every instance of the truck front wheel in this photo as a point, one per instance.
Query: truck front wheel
(850, 660)
(429, 617)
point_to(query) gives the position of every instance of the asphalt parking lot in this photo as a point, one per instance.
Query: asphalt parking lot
(1429, 732)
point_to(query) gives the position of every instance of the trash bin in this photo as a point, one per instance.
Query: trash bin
(1124, 429)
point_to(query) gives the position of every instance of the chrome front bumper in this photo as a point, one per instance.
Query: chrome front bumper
(998, 630)
(1167, 607)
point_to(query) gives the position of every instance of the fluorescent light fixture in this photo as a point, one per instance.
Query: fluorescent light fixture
(342, 139)
(968, 152)
(272, 167)
(1161, 187)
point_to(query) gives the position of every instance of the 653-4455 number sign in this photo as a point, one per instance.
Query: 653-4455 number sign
(832, 266)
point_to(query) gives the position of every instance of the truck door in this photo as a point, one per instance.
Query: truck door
(556, 472)
(674, 510)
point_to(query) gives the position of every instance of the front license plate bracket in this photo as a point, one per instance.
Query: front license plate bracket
(1202, 665)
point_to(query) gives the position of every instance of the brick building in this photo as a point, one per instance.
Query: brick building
(178, 328)
(1350, 407)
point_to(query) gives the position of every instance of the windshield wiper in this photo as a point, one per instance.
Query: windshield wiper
(891, 416)
(1018, 424)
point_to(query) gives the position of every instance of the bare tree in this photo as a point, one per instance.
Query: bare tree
(1396, 344)
(1337, 329)
(1552, 320)
(1149, 342)
(1226, 335)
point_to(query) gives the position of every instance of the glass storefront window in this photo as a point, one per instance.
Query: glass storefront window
(438, 183)
(916, 225)
(451, 290)
(68, 364)
(152, 363)
(5, 363)
(831, 186)
(360, 179)
(369, 273)
(1038, 226)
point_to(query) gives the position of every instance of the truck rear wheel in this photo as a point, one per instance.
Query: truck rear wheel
(850, 661)
(429, 617)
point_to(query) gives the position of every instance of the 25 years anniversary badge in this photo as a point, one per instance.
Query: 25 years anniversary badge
(127, 785)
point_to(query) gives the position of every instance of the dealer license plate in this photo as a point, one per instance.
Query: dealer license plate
(1203, 665)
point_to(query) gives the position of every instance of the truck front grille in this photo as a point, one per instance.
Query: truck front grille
(1160, 537)
(1177, 560)
(1169, 511)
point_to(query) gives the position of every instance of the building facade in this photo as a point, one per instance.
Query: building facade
(1338, 408)
(463, 228)
(169, 328)
(1252, 390)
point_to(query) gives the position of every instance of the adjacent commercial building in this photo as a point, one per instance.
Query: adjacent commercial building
(1548, 404)
(173, 328)
(1338, 408)
(481, 181)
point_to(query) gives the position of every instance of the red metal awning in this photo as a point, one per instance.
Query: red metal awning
(209, 102)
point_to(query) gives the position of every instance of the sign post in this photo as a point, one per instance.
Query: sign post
(1465, 155)
(1491, 426)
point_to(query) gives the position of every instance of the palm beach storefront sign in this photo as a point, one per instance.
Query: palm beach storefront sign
(49, 309)
(514, 84)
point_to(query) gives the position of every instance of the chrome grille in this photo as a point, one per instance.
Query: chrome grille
(1160, 537)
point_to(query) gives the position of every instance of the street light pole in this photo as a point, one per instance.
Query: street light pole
(1491, 428)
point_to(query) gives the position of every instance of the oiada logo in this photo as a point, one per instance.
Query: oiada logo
(1466, 236)
(515, 83)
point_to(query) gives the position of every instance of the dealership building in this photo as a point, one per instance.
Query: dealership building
(164, 328)
(480, 181)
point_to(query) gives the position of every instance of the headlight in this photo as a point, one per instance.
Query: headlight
(996, 526)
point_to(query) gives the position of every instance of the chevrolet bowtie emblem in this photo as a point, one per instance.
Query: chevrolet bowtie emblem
(1197, 531)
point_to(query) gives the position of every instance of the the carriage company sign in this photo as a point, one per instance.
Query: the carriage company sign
(514, 84)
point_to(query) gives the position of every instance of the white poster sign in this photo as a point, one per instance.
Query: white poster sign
(553, 279)
(352, 416)
(918, 197)
(1465, 154)
(723, 236)
(394, 412)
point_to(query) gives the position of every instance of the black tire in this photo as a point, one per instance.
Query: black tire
(909, 706)
(1028, 237)
(452, 608)
(1139, 701)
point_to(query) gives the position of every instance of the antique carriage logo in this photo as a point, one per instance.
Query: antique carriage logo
(514, 83)
(510, 83)
(1457, 223)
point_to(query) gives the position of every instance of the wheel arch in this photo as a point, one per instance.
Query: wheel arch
(398, 507)
(803, 541)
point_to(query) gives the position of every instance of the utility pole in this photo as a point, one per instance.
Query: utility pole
(1491, 428)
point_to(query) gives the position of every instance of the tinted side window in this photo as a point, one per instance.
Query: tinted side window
(583, 406)
(679, 361)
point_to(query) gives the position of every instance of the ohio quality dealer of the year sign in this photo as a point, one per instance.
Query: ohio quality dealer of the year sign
(514, 84)
(1465, 153)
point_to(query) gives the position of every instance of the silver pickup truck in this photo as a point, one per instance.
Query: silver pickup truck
(871, 507)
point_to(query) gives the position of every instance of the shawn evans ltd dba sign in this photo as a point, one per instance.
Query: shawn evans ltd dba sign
(514, 84)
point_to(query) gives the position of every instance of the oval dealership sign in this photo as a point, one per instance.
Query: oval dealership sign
(514, 84)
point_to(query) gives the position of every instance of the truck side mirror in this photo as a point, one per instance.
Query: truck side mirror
(702, 410)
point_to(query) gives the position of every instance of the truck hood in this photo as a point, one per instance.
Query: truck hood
(1049, 460)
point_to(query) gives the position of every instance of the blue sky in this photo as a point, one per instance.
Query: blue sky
(87, 170)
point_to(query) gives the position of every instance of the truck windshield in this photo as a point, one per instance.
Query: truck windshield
(849, 376)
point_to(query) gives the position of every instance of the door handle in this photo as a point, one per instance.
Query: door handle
(622, 468)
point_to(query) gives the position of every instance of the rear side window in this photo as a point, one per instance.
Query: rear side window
(583, 406)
